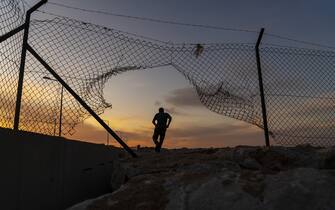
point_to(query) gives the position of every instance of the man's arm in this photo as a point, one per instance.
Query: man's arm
(154, 121)
(170, 119)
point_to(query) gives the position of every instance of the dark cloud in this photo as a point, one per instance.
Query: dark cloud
(206, 131)
(184, 97)
(317, 107)
(219, 135)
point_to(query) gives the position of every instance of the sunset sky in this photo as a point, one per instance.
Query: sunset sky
(136, 96)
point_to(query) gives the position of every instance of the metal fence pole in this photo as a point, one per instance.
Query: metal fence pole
(23, 61)
(261, 89)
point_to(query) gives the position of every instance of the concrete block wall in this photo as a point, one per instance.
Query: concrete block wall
(51, 173)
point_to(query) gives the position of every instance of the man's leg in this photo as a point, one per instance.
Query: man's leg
(161, 139)
(155, 138)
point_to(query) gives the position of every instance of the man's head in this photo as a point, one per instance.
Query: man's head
(161, 109)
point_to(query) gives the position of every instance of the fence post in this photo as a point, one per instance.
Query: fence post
(23, 61)
(261, 89)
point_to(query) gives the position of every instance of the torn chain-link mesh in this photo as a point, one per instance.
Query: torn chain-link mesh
(298, 82)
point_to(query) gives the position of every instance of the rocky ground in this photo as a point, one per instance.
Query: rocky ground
(279, 178)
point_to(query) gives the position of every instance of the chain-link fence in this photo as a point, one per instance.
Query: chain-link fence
(298, 83)
(299, 89)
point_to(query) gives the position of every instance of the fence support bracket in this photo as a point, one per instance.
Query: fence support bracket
(12, 33)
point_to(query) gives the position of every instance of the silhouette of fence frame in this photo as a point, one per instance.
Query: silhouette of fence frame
(25, 47)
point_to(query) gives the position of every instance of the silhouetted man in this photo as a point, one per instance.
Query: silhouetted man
(161, 121)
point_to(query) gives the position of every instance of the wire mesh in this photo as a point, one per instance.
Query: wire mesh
(87, 55)
(11, 16)
(298, 82)
(299, 88)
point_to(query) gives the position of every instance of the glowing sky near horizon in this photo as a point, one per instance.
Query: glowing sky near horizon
(136, 96)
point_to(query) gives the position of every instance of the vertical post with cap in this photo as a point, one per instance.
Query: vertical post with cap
(261, 88)
(23, 61)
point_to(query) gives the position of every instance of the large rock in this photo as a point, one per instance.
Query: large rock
(216, 191)
(229, 178)
(303, 188)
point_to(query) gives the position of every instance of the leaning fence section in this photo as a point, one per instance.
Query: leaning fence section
(68, 63)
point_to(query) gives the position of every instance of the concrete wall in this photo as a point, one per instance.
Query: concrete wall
(49, 173)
